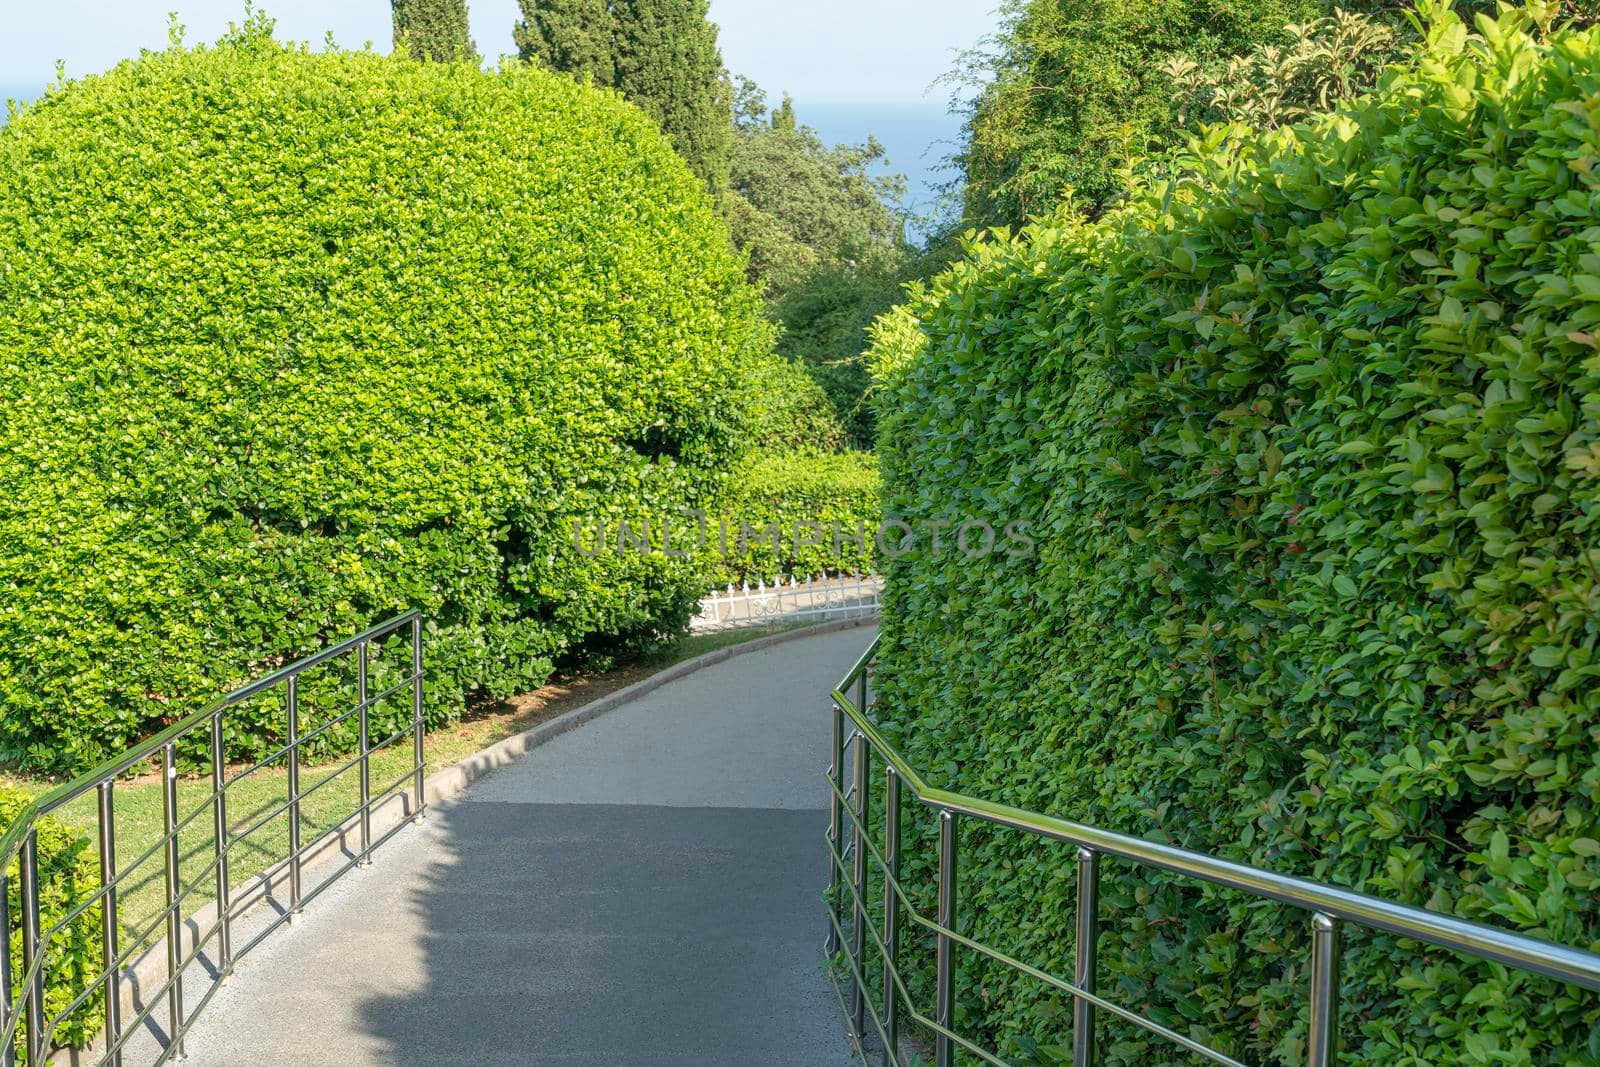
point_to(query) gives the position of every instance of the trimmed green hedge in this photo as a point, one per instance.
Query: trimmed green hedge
(69, 873)
(293, 342)
(1310, 439)
(825, 508)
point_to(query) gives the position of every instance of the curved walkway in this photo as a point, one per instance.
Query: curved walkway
(644, 889)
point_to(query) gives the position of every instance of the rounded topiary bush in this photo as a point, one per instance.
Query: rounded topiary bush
(1309, 437)
(292, 342)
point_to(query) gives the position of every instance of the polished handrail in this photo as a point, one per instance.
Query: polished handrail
(24, 1003)
(1329, 904)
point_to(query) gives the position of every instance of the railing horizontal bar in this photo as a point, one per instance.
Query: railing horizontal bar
(406, 683)
(153, 998)
(183, 895)
(194, 1013)
(330, 777)
(883, 865)
(114, 767)
(1068, 987)
(284, 751)
(23, 981)
(976, 1050)
(343, 869)
(855, 970)
(251, 828)
(1548, 958)
(280, 865)
(877, 938)
(859, 1054)
(49, 935)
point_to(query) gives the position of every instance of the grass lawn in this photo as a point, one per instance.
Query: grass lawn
(329, 796)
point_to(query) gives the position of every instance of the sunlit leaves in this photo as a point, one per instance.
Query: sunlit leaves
(293, 342)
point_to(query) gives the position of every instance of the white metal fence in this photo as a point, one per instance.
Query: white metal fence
(817, 599)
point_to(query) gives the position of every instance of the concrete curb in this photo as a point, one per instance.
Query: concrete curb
(149, 970)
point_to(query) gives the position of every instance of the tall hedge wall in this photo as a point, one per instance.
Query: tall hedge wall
(292, 342)
(1311, 443)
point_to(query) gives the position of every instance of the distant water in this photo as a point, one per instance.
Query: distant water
(919, 137)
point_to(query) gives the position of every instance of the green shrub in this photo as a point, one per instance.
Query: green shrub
(69, 873)
(792, 411)
(823, 505)
(1311, 441)
(293, 342)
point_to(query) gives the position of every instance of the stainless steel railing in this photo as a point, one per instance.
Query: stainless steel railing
(851, 925)
(24, 1006)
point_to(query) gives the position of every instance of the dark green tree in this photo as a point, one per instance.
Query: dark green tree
(669, 64)
(575, 36)
(661, 54)
(433, 29)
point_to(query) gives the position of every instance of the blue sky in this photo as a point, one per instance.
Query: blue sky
(838, 50)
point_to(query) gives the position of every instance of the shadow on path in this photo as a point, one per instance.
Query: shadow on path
(617, 934)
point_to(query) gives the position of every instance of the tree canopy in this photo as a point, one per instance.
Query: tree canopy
(660, 54)
(826, 241)
(433, 29)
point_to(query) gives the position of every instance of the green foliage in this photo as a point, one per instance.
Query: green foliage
(825, 322)
(574, 36)
(825, 237)
(791, 410)
(799, 206)
(1324, 62)
(324, 337)
(69, 873)
(433, 29)
(1073, 93)
(824, 505)
(1310, 438)
(661, 54)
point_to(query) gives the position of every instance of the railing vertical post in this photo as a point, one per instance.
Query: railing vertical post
(292, 698)
(861, 692)
(417, 737)
(362, 696)
(891, 914)
(1083, 971)
(33, 995)
(835, 826)
(169, 811)
(222, 841)
(1322, 1034)
(110, 952)
(945, 972)
(8, 1047)
(861, 774)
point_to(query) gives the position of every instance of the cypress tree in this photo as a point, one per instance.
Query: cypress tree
(669, 64)
(662, 55)
(433, 29)
(575, 36)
